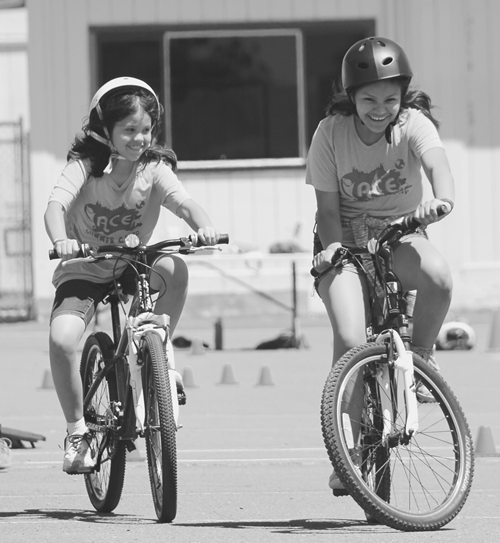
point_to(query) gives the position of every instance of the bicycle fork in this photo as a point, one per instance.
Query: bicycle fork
(402, 361)
(136, 327)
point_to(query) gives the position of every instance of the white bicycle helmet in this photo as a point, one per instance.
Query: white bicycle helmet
(117, 84)
(455, 335)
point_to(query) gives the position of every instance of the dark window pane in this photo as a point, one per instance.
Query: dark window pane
(234, 97)
(324, 49)
(131, 57)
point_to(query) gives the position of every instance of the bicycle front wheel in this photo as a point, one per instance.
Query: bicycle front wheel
(409, 483)
(160, 427)
(105, 484)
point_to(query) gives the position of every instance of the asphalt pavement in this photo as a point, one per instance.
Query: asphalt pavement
(252, 465)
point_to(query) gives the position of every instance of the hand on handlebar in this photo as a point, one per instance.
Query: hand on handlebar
(432, 211)
(67, 248)
(207, 235)
(323, 260)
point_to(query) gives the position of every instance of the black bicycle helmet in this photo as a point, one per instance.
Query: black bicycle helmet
(374, 59)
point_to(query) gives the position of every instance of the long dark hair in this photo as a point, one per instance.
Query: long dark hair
(114, 108)
(412, 98)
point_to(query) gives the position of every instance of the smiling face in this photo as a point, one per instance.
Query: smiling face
(377, 105)
(132, 135)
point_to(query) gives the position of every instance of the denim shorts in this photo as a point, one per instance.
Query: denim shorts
(80, 298)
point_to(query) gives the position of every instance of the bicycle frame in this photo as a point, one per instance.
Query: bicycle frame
(128, 365)
(393, 332)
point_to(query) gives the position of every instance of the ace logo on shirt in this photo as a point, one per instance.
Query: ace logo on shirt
(358, 185)
(108, 221)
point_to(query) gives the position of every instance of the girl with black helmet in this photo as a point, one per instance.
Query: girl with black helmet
(116, 181)
(365, 165)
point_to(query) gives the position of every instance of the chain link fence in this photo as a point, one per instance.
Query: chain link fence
(16, 271)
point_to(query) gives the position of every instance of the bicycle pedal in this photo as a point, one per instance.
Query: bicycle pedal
(339, 492)
(181, 398)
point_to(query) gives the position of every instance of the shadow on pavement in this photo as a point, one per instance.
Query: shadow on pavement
(294, 526)
(75, 514)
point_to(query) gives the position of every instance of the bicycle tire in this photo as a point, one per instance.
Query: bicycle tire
(430, 475)
(375, 459)
(105, 484)
(160, 427)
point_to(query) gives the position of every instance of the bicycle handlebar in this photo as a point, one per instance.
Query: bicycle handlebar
(184, 244)
(400, 227)
(393, 232)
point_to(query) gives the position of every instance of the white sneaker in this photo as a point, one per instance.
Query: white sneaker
(424, 395)
(79, 456)
(181, 393)
(5, 454)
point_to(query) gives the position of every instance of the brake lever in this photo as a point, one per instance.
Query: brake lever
(90, 258)
(191, 250)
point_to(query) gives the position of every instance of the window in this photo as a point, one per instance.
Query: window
(244, 96)
(234, 95)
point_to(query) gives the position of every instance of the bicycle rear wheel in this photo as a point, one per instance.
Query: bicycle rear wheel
(160, 427)
(105, 484)
(420, 483)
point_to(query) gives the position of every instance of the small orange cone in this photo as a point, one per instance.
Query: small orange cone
(494, 344)
(485, 445)
(265, 378)
(188, 378)
(197, 346)
(47, 381)
(228, 377)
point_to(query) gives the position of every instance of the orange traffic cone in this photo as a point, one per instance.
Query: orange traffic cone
(265, 378)
(188, 378)
(494, 344)
(47, 381)
(228, 377)
(485, 445)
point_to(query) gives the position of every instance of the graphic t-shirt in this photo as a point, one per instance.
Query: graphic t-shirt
(379, 180)
(99, 212)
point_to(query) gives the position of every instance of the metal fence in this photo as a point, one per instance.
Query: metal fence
(16, 271)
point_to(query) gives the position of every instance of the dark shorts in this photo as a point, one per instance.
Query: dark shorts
(81, 298)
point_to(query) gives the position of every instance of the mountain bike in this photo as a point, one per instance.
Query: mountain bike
(409, 464)
(129, 388)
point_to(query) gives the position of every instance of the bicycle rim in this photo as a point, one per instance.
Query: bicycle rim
(104, 485)
(416, 484)
(160, 428)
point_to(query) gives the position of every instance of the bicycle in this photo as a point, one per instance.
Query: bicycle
(408, 464)
(129, 389)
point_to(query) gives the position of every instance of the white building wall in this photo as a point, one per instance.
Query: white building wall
(453, 47)
(14, 88)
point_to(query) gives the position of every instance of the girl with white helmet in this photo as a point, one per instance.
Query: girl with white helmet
(115, 182)
(365, 165)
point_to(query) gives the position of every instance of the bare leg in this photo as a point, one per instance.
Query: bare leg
(345, 295)
(66, 332)
(172, 275)
(420, 266)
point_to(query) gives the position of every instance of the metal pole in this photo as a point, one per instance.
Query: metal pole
(295, 320)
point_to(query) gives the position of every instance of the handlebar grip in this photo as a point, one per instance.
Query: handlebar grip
(411, 223)
(223, 238)
(82, 253)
